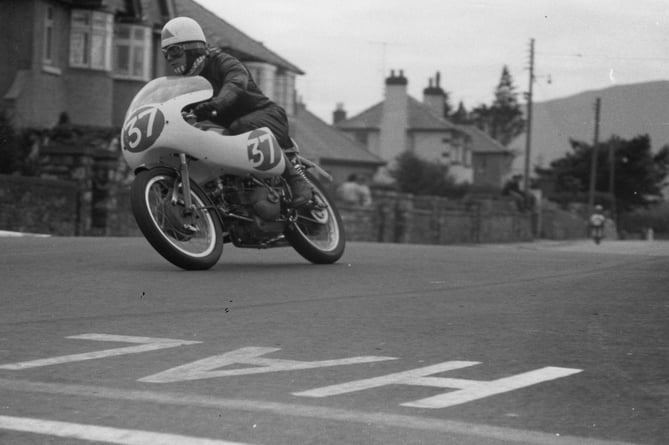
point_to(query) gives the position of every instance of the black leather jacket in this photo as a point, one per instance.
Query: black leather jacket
(237, 92)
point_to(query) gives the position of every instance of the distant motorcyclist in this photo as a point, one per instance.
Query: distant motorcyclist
(238, 104)
(597, 220)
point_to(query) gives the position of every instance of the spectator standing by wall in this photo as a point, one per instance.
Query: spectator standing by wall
(355, 191)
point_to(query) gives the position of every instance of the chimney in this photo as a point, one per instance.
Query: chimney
(394, 119)
(434, 96)
(339, 114)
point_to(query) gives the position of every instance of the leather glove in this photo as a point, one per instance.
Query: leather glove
(208, 109)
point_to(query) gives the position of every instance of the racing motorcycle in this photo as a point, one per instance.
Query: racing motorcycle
(197, 187)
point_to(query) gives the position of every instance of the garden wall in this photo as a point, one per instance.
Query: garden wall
(59, 207)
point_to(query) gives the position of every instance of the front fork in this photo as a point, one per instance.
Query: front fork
(185, 185)
(188, 211)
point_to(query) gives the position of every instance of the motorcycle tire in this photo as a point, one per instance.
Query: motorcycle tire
(318, 231)
(191, 241)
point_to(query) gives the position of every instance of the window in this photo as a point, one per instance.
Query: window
(362, 137)
(461, 154)
(91, 39)
(456, 154)
(284, 90)
(132, 58)
(48, 36)
(468, 157)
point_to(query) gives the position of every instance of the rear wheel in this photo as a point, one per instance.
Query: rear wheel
(190, 239)
(318, 232)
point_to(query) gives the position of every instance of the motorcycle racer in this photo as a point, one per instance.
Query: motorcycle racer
(597, 218)
(238, 104)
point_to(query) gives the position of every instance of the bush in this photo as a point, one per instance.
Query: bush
(16, 149)
(420, 177)
(655, 217)
(9, 146)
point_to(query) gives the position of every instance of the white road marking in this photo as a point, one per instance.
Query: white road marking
(207, 367)
(473, 390)
(102, 433)
(468, 390)
(411, 377)
(388, 420)
(146, 344)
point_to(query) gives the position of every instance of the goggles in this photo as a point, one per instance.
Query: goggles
(178, 49)
(174, 51)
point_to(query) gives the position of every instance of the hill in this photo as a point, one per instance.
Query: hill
(626, 111)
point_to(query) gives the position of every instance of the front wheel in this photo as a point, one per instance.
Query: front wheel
(188, 238)
(318, 232)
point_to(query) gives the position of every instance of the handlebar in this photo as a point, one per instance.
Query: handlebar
(191, 116)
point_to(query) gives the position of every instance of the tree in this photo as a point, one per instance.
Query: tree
(421, 177)
(503, 120)
(639, 174)
(460, 116)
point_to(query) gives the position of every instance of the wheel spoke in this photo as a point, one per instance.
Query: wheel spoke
(171, 220)
(319, 226)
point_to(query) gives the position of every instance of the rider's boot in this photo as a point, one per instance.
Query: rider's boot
(299, 186)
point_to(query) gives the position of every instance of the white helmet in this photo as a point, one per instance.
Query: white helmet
(180, 30)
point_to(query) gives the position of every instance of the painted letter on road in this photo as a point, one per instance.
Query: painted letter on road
(145, 344)
(467, 390)
(208, 368)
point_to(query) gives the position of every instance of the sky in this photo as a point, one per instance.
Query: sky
(348, 47)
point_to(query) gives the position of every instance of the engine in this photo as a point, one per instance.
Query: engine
(251, 209)
(265, 203)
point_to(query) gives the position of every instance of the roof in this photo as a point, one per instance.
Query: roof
(319, 140)
(222, 34)
(420, 117)
(481, 142)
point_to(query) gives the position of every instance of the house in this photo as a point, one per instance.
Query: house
(88, 58)
(335, 151)
(492, 163)
(401, 123)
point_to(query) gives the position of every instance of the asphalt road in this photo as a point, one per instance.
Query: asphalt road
(103, 341)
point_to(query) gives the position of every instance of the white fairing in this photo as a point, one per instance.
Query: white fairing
(154, 131)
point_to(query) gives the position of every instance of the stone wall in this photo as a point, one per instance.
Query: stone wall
(38, 205)
(60, 207)
(63, 208)
(404, 218)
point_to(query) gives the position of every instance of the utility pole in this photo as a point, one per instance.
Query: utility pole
(528, 132)
(593, 164)
(612, 178)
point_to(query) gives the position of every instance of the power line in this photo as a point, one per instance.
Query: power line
(602, 56)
